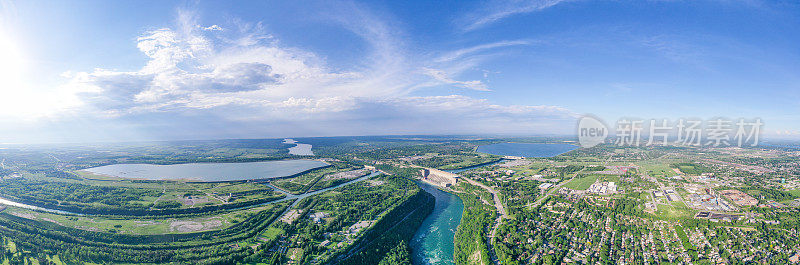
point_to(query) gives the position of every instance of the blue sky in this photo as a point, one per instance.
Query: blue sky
(135, 70)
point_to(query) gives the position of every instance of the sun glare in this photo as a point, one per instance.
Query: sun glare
(20, 97)
(11, 62)
(11, 75)
(16, 97)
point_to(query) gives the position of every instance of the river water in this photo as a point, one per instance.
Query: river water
(433, 241)
(299, 149)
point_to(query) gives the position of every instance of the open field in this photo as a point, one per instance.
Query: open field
(584, 182)
(305, 182)
(125, 195)
(657, 168)
(674, 210)
(143, 225)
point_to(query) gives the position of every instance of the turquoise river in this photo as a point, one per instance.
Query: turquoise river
(433, 241)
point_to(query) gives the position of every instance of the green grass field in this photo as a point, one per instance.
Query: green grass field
(272, 232)
(674, 210)
(657, 167)
(588, 180)
(202, 193)
(145, 226)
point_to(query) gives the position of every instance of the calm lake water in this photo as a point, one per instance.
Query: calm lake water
(299, 149)
(433, 242)
(526, 149)
(210, 171)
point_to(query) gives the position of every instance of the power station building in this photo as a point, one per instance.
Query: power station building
(439, 178)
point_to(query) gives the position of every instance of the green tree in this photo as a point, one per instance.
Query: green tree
(399, 255)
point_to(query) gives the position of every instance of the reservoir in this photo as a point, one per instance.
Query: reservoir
(433, 241)
(526, 149)
(299, 149)
(209, 171)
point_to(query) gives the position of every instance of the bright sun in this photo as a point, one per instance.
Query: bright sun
(11, 63)
(20, 96)
(16, 98)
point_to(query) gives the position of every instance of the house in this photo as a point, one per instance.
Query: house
(318, 216)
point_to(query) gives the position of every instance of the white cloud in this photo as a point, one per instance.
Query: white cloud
(213, 28)
(442, 77)
(187, 64)
(192, 68)
(494, 11)
(460, 53)
(460, 114)
(247, 79)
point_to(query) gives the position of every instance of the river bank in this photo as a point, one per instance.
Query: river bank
(433, 241)
(287, 196)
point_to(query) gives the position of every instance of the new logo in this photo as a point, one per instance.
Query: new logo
(591, 131)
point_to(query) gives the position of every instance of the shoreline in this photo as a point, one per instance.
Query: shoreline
(198, 180)
(417, 244)
(523, 156)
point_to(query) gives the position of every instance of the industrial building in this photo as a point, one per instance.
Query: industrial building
(439, 178)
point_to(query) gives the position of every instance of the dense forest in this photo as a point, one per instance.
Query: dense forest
(471, 235)
(88, 199)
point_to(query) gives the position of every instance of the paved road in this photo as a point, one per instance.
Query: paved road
(495, 196)
(552, 190)
(500, 209)
(558, 187)
(498, 204)
(289, 196)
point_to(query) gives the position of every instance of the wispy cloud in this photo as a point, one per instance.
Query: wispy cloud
(245, 78)
(676, 49)
(441, 76)
(494, 11)
(189, 67)
(460, 53)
